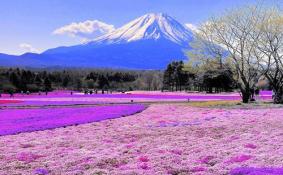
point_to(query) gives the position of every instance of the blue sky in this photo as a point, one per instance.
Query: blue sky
(29, 25)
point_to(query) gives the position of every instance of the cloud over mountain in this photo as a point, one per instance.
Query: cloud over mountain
(28, 48)
(88, 29)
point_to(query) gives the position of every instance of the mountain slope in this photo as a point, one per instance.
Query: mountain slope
(148, 42)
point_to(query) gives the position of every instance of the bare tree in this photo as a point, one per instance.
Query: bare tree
(234, 32)
(205, 53)
(269, 50)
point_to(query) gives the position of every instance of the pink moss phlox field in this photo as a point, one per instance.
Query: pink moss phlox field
(228, 141)
(13, 121)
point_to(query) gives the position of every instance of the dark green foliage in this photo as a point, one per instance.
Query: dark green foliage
(47, 84)
(66, 81)
(219, 80)
(211, 80)
(175, 78)
(103, 82)
(78, 85)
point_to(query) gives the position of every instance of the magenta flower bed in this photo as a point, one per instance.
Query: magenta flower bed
(13, 121)
(266, 95)
(46, 103)
(257, 171)
(9, 101)
(152, 96)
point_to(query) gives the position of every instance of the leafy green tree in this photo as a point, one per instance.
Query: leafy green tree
(175, 77)
(103, 82)
(78, 84)
(66, 81)
(47, 84)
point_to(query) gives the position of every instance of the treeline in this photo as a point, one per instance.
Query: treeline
(23, 80)
(177, 77)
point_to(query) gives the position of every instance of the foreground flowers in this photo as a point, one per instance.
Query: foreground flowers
(163, 139)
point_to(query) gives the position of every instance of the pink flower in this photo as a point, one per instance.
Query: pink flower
(41, 171)
(28, 157)
(143, 159)
(161, 151)
(234, 138)
(251, 146)
(144, 166)
(107, 141)
(197, 169)
(206, 159)
(176, 151)
(238, 159)
(128, 146)
(26, 145)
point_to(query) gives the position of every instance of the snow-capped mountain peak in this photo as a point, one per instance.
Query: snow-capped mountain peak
(150, 26)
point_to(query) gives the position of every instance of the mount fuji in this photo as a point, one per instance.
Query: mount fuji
(148, 42)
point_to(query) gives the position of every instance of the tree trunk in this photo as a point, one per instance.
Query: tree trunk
(210, 90)
(278, 97)
(246, 96)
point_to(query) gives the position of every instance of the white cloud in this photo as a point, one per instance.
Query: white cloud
(192, 27)
(28, 48)
(86, 30)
